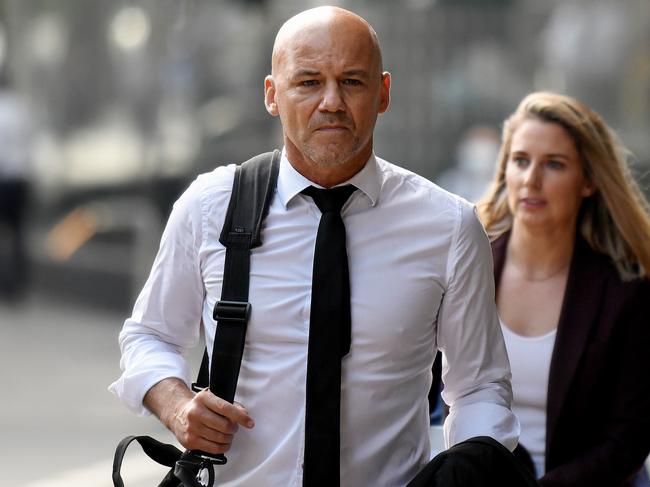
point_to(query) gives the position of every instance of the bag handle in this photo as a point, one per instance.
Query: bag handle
(161, 453)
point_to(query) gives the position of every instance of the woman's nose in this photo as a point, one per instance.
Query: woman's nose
(533, 175)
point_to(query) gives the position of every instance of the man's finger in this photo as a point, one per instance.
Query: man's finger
(208, 419)
(212, 435)
(208, 446)
(234, 412)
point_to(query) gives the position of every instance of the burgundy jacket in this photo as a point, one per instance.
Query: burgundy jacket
(598, 408)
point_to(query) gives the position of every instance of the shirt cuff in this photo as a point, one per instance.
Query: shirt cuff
(482, 419)
(133, 384)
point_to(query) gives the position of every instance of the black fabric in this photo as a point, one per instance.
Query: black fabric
(329, 339)
(477, 462)
(253, 188)
(524, 458)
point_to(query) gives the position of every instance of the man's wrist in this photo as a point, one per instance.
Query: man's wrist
(166, 399)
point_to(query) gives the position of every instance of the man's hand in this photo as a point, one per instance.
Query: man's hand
(200, 422)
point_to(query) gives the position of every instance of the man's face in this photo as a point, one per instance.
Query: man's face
(327, 88)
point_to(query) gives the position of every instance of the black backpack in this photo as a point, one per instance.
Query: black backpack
(252, 192)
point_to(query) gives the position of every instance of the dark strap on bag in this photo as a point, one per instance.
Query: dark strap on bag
(253, 189)
(162, 453)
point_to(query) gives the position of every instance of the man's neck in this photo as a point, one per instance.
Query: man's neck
(325, 175)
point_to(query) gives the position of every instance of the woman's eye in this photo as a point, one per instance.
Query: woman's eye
(520, 161)
(555, 165)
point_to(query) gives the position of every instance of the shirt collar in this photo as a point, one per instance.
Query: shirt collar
(291, 182)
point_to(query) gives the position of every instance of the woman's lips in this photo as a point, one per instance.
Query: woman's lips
(533, 202)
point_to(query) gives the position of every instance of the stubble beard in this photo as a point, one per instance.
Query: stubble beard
(332, 154)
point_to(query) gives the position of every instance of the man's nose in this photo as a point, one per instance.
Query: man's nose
(332, 100)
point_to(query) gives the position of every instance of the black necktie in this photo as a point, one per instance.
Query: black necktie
(329, 339)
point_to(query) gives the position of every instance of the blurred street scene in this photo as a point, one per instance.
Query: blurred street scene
(59, 425)
(109, 109)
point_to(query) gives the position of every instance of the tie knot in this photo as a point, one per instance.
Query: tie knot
(330, 200)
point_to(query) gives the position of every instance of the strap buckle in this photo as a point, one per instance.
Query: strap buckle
(195, 468)
(232, 312)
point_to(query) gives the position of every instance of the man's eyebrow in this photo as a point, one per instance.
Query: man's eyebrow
(305, 72)
(356, 72)
(315, 72)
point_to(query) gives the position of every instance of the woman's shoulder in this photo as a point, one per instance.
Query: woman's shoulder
(637, 289)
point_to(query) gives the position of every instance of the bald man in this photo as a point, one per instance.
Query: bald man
(420, 280)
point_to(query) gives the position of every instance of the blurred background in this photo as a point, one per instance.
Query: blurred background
(109, 109)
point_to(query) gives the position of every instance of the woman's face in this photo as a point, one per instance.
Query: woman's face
(545, 181)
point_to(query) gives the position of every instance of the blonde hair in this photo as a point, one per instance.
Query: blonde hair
(616, 219)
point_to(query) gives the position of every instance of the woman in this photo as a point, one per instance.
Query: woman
(571, 242)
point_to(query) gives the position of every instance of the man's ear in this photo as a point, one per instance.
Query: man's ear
(269, 96)
(384, 94)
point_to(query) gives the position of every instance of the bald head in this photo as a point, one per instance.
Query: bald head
(327, 87)
(301, 29)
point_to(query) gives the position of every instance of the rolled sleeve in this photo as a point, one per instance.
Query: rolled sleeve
(475, 370)
(166, 317)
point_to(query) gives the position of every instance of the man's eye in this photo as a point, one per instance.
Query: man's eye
(309, 82)
(352, 82)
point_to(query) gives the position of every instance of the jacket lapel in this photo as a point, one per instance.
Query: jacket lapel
(580, 309)
(499, 247)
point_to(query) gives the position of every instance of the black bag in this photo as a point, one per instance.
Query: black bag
(478, 462)
(252, 192)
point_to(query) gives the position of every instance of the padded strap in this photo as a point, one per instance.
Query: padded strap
(253, 189)
(252, 192)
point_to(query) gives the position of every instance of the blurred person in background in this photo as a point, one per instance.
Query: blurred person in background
(570, 233)
(475, 155)
(420, 278)
(14, 189)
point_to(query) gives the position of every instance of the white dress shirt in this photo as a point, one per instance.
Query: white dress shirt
(420, 278)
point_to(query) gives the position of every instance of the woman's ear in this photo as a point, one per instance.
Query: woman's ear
(588, 188)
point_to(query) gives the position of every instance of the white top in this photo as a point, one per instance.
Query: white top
(530, 359)
(421, 277)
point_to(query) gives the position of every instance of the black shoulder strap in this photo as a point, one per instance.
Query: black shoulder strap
(252, 192)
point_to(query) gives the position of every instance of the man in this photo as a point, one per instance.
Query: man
(420, 278)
